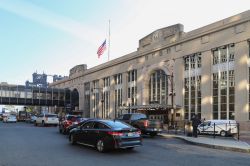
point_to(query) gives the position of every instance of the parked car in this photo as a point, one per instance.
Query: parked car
(68, 120)
(220, 127)
(10, 118)
(106, 135)
(46, 119)
(83, 120)
(1, 116)
(140, 121)
(31, 119)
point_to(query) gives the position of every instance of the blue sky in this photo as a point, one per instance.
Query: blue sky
(53, 36)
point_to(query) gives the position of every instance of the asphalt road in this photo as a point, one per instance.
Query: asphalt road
(23, 144)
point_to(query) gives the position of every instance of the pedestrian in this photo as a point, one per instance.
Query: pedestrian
(195, 123)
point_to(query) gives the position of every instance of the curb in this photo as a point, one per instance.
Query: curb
(235, 149)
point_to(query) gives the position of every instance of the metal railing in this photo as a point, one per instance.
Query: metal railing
(213, 129)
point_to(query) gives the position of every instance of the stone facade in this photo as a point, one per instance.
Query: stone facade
(165, 49)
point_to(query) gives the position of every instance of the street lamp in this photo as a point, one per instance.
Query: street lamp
(172, 94)
(172, 98)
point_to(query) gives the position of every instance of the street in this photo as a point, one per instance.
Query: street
(24, 144)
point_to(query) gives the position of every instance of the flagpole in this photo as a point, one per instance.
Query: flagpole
(109, 42)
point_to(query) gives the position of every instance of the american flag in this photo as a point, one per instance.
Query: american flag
(101, 49)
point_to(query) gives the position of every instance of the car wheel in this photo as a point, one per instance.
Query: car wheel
(63, 131)
(60, 130)
(72, 139)
(100, 146)
(223, 133)
(130, 148)
(153, 134)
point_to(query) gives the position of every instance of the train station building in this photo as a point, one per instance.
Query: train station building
(172, 75)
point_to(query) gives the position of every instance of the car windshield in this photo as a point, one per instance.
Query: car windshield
(51, 116)
(74, 118)
(117, 124)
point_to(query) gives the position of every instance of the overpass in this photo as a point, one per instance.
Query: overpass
(35, 96)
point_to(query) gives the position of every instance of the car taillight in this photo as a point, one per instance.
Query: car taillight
(146, 123)
(114, 133)
(138, 132)
(68, 122)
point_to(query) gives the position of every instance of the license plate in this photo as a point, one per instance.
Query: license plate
(131, 134)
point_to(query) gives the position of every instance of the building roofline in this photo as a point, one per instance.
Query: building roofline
(185, 37)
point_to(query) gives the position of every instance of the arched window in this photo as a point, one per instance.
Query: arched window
(158, 87)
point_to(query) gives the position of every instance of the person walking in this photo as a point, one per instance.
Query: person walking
(195, 123)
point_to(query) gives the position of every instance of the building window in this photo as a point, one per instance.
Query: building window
(223, 83)
(192, 86)
(132, 88)
(118, 92)
(106, 97)
(132, 75)
(106, 81)
(158, 87)
(96, 98)
(118, 79)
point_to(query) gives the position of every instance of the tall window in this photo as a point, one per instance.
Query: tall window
(158, 87)
(223, 82)
(132, 88)
(87, 97)
(118, 92)
(106, 97)
(96, 98)
(192, 85)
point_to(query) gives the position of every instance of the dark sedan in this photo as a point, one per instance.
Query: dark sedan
(106, 135)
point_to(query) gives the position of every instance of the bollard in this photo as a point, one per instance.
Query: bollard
(214, 130)
(184, 128)
(238, 130)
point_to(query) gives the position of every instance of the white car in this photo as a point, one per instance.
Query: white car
(10, 118)
(46, 119)
(219, 127)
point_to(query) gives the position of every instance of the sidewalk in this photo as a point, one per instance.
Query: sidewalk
(217, 143)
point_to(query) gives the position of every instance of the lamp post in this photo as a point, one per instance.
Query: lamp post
(172, 94)
(172, 98)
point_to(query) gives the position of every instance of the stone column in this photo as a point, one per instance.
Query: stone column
(145, 86)
(81, 98)
(178, 85)
(140, 89)
(241, 81)
(206, 85)
(91, 110)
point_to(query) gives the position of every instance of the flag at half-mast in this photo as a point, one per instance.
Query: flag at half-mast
(101, 49)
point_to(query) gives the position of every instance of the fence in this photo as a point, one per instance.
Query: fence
(209, 128)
